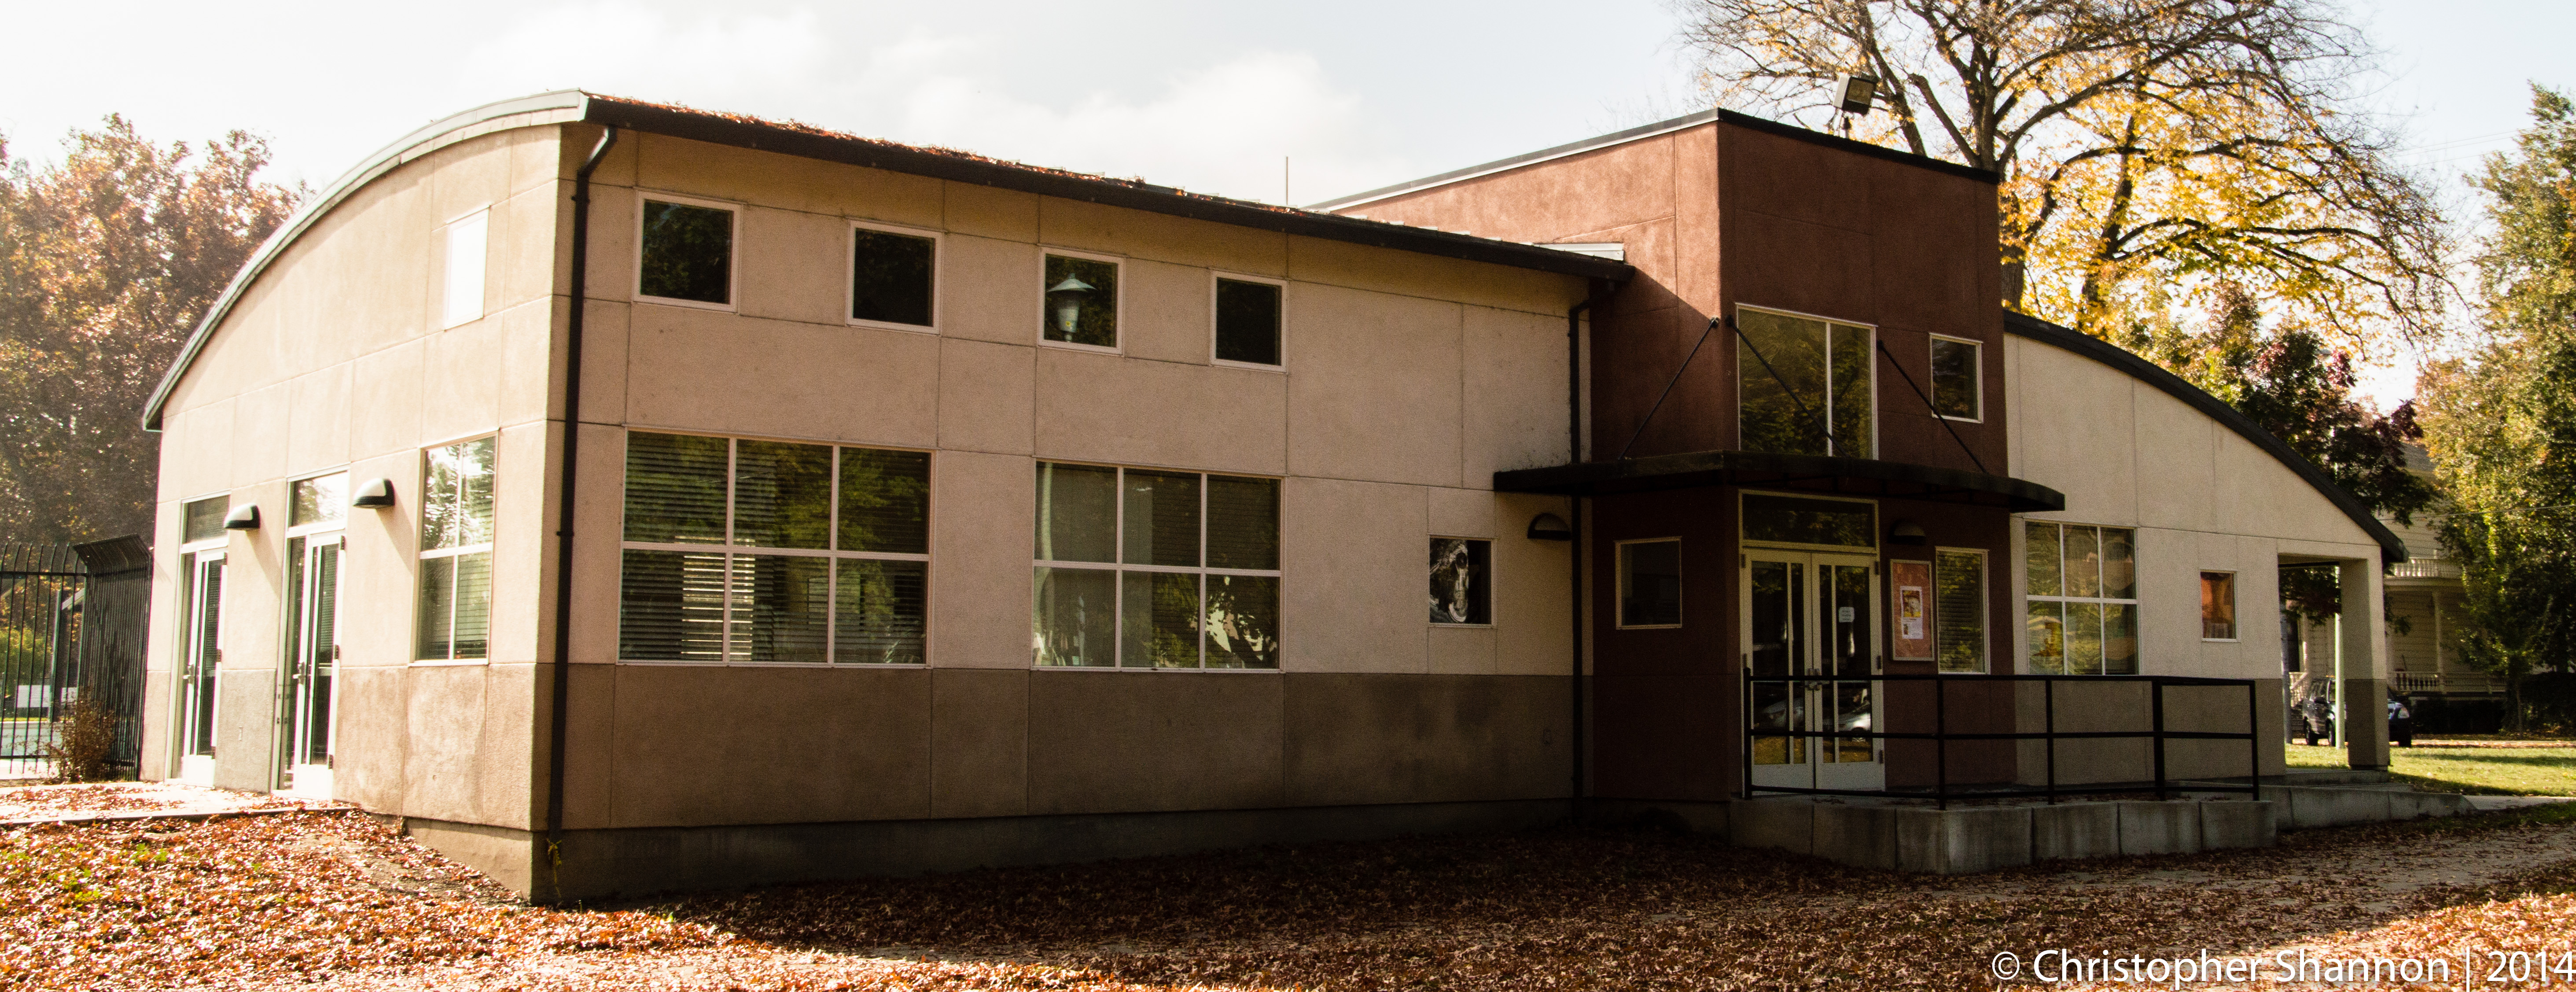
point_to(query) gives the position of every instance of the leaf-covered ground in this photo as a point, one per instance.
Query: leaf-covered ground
(338, 900)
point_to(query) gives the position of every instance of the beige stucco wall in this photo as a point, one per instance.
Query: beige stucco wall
(335, 358)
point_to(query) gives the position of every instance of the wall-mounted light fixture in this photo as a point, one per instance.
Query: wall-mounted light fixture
(1905, 532)
(1858, 91)
(243, 517)
(1549, 527)
(1064, 300)
(374, 494)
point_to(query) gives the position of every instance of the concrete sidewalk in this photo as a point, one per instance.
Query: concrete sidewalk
(21, 805)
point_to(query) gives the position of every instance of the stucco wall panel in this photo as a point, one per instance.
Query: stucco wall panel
(1462, 512)
(1160, 237)
(980, 548)
(521, 540)
(317, 433)
(1609, 187)
(987, 396)
(379, 569)
(687, 367)
(979, 732)
(2084, 447)
(447, 725)
(1096, 407)
(1378, 390)
(2176, 446)
(1149, 741)
(1169, 312)
(259, 444)
(598, 523)
(705, 745)
(1514, 394)
(465, 371)
(391, 383)
(1417, 738)
(197, 451)
(1460, 650)
(372, 735)
(986, 212)
(524, 241)
(1340, 263)
(613, 218)
(1353, 597)
(1532, 610)
(989, 290)
(792, 266)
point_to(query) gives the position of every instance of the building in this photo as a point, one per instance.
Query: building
(924, 511)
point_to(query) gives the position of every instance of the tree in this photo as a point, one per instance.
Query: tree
(107, 261)
(2143, 144)
(2502, 421)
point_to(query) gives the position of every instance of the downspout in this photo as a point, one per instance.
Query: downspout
(1574, 453)
(560, 719)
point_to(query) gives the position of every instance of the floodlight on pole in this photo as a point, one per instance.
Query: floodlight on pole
(1858, 92)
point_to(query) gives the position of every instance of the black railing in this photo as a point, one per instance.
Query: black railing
(1941, 736)
(72, 622)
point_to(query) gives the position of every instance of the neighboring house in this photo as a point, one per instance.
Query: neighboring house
(927, 511)
(2423, 629)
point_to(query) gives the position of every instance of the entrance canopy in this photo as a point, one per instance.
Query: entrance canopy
(1811, 473)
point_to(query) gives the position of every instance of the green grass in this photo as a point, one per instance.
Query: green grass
(2478, 771)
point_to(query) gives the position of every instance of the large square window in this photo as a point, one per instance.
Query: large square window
(1955, 378)
(1462, 580)
(773, 552)
(1247, 321)
(1081, 301)
(1155, 569)
(892, 277)
(686, 253)
(1804, 384)
(2081, 599)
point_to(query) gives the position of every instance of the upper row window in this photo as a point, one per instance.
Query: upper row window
(685, 255)
(1804, 384)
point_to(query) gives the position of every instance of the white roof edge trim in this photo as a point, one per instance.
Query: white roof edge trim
(557, 107)
(1616, 251)
(1507, 165)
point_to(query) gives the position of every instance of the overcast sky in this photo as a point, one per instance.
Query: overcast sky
(1208, 96)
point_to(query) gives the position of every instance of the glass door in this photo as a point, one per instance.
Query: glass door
(200, 662)
(315, 660)
(1812, 614)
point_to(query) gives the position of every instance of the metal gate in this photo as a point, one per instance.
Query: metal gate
(72, 623)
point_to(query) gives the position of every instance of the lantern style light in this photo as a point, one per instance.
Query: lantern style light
(1064, 300)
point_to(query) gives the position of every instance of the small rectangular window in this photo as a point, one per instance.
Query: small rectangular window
(1959, 609)
(1149, 568)
(2217, 606)
(203, 520)
(1650, 583)
(1247, 322)
(468, 242)
(1955, 374)
(456, 496)
(1462, 578)
(319, 500)
(773, 552)
(686, 252)
(1796, 520)
(892, 277)
(1081, 301)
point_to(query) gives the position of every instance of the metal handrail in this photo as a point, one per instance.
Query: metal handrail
(1941, 735)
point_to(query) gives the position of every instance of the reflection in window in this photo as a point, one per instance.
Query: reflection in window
(2081, 609)
(1462, 576)
(773, 552)
(2218, 606)
(320, 500)
(1081, 301)
(454, 618)
(1650, 583)
(1954, 379)
(1797, 520)
(687, 253)
(1959, 607)
(1144, 568)
(1804, 385)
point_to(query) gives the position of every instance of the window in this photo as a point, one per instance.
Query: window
(1462, 577)
(1805, 385)
(203, 519)
(1081, 301)
(319, 500)
(2217, 606)
(1955, 375)
(773, 552)
(2082, 599)
(456, 552)
(1247, 321)
(468, 240)
(1797, 520)
(893, 277)
(1959, 609)
(686, 253)
(1650, 583)
(1143, 568)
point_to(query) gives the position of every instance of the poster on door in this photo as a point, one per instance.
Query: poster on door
(1910, 582)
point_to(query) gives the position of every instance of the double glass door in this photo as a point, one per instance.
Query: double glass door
(314, 662)
(1812, 614)
(200, 661)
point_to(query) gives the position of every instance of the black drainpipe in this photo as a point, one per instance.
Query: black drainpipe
(560, 719)
(1574, 453)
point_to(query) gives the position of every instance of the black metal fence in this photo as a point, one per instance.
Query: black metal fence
(72, 623)
(1941, 735)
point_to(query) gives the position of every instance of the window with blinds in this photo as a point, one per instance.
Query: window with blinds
(1144, 568)
(773, 552)
(455, 608)
(1959, 609)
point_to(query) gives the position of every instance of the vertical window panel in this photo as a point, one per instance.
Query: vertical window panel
(1247, 322)
(1243, 523)
(203, 520)
(671, 606)
(473, 600)
(2218, 606)
(2083, 562)
(1462, 581)
(881, 612)
(1242, 621)
(1081, 301)
(436, 615)
(2046, 635)
(1076, 617)
(782, 495)
(1955, 376)
(2044, 576)
(1959, 630)
(675, 488)
(885, 501)
(1781, 379)
(687, 253)
(2084, 638)
(1852, 400)
(786, 618)
(456, 498)
(2119, 563)
(891, 277)
(1162, 519)
(2119, 638)
(1077, 517)
(1160, 620)
(468, 243)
